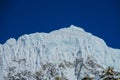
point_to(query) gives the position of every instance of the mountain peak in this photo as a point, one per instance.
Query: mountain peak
(58, 53)
(73, 28)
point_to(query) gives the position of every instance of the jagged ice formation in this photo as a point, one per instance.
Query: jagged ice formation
(69, 53)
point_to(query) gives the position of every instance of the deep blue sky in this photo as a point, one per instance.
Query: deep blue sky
(100, 17)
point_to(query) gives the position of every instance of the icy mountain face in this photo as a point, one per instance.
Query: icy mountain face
(68, 53)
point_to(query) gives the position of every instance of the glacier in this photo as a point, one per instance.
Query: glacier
(70, 53)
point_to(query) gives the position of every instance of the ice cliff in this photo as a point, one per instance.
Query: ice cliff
(69, 53)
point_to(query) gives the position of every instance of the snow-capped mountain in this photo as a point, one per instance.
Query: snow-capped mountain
(69, 53)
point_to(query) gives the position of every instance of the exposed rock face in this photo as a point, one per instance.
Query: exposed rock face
(65, 54)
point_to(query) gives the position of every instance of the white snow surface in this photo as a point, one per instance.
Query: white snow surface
(32, 51)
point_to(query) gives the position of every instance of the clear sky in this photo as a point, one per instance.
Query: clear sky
(100, 17)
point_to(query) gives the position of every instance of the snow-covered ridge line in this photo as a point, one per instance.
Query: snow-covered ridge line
(72, 28)
(70, 52)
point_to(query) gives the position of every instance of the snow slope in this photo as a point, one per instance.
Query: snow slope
(70, 52)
